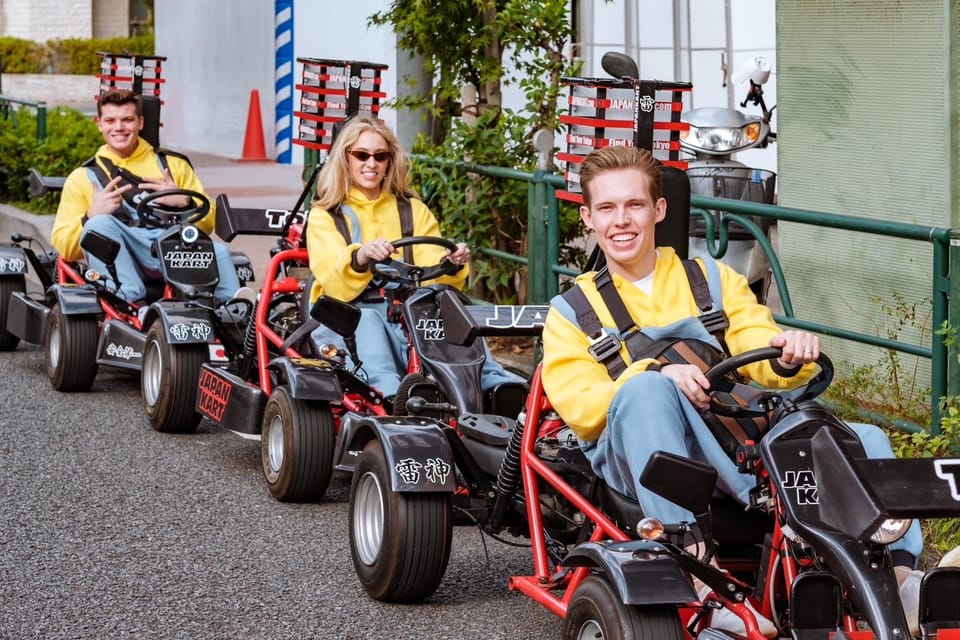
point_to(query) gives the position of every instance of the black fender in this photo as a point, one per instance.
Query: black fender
(77, 299)
(13, 261)
(307, 379)
(643, 572)
(27, 317)
(184, 323)
(120, 345)
(416, 449)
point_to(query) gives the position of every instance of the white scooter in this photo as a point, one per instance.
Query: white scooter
(715, 134)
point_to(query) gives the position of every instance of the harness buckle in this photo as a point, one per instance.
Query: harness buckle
(715, 321)
(603, 348)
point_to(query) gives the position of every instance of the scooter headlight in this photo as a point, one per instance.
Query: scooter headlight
(721, 140)
(890, 531)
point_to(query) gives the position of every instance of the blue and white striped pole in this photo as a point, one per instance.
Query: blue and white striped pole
(283, 79)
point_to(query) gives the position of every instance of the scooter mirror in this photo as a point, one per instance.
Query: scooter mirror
(101, 246)
(619, 65)
(756, 69)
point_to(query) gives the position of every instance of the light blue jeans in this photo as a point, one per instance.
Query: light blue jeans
(649, 413)
(134, 262)
(383, 350)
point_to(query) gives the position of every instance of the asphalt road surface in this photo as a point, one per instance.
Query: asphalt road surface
(111, 530)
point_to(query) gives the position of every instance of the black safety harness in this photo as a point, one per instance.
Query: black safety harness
(105, 171)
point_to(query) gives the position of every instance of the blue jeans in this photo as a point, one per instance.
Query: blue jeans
(650, 413)
(383, 350)
(134, 262)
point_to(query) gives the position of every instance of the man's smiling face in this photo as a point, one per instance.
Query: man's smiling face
(120, 126)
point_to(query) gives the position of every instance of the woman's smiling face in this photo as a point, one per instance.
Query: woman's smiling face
(367, 175)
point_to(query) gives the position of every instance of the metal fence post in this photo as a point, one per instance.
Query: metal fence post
(537, 264)
(41, 121)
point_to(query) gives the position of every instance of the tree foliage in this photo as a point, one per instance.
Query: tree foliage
(473, 51)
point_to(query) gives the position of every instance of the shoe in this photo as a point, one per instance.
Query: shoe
(951, 558)
(726, 620)
(244, 293)
(142, 313)
(910, 599)
(236, 309)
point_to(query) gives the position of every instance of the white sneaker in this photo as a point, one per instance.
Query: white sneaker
(951, 558)
(142, 313)
(910, 598)
(726, 620)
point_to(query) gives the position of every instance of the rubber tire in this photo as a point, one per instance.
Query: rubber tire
(410, 532)
(299, 437)
(71, 350)
(597, 612)
(169, 376)
(8, 286)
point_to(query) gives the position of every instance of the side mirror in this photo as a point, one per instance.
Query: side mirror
(620, 65)
(101, 246)
(341, 317)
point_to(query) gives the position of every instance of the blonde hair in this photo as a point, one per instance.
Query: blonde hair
(334, 180)
(606, 159)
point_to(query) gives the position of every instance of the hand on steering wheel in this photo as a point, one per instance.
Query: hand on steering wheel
(396, 270)
(756, 401)
(155, 214)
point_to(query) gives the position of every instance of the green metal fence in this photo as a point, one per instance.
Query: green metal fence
(7, 111)
(544, 271)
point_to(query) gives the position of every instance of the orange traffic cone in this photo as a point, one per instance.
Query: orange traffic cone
(253, 145)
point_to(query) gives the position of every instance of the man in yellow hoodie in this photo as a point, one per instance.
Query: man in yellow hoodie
(623, 406)
(102, 195)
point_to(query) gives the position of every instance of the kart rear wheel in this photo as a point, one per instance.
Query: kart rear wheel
(597, 612)
(400, 542)
(296, 447)
(71, 350)
(169, 375)
(8, 286)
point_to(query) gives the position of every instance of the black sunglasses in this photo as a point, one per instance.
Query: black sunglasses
(363, 156)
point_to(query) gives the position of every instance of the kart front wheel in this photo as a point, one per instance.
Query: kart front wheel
(597, 612)
(400, 542)
(296, 446)
(8, 286)
(168, 381)
(71, 350)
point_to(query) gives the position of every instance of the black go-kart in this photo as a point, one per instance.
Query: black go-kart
(284, 389)
(83, 323)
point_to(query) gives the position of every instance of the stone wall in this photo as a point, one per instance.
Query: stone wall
(42, 20)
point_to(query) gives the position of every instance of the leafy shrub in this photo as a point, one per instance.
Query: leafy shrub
(71, 138)
(21, 56)
(72, 56)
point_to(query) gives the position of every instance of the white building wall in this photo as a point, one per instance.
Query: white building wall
(111, 18)
(42, 20)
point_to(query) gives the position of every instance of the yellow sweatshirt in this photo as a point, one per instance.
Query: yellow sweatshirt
(330, 255)
(79, 188)
(580, 388)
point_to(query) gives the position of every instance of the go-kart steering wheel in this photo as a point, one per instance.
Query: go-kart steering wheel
(160, 215)
(394, 270)
(758, 402)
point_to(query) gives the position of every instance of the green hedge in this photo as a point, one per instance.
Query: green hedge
(72, 137)
(72, 56)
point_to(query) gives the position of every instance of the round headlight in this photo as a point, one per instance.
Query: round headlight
(329, 351)
(650, 529)
(890, 531)
(189, 234)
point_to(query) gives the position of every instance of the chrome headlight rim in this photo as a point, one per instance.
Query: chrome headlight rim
(891, 530)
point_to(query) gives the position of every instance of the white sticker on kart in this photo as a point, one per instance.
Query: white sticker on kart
(430, 328)
(805, 485)
(188, 259)
(435, 469)
(123, 352)
(518, 316)
(276, 218)
(182, 331)
(12, 265)
(949, 470)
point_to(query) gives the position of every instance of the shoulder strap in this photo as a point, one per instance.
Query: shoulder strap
(341, 223)
(712, 316)
(406, 226)
(163, 153)
(604, 347)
